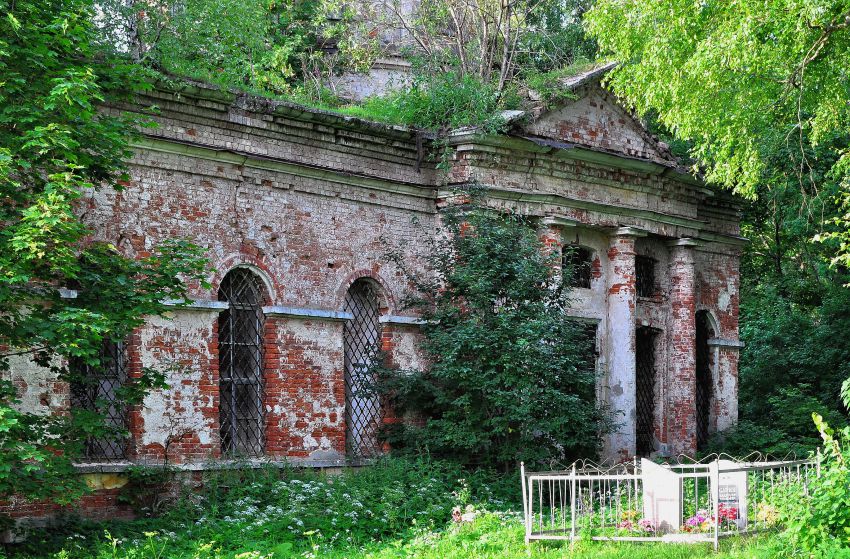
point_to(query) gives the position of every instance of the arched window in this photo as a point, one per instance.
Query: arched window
(240, 358)
(704, 381)
(362, 341)
(577, 265)
(94, 388)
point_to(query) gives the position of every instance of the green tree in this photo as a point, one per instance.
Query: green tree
(55, 147)
(742, 81)
(278, 47)
(510, 376)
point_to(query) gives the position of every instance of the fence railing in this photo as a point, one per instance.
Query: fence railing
(644, 501)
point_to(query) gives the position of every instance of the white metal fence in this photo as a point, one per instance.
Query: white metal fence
(644, 501)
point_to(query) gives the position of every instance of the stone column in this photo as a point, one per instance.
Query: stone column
(681, 388)
(620, 444)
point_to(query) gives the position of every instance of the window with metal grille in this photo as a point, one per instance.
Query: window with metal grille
(362, 343)
(95, 389)
(576, 265)
(704, 385)
(240, 358)
(645, 276)
(645, 391)
(588, 338)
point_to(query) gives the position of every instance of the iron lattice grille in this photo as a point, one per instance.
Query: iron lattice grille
(703, 389)
(645, 391)
(645, 276)
(362, 341)
(96, 389)
(240, 357)
(577, 262)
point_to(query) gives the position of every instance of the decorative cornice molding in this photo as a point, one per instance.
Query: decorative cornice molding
(256, 161)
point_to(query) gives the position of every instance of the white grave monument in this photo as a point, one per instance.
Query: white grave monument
(662, 497)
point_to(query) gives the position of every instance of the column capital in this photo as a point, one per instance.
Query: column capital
(629, 231)
(557, 221)
(685, 242)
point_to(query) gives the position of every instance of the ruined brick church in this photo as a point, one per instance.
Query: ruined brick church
(295, 206)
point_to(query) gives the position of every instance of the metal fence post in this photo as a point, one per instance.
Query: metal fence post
(818, 461)
(573, 505)
(525, 502)
(714, 475)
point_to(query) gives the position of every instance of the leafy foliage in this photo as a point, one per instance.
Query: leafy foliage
(56, 147)
(510, 376)
(742, 81)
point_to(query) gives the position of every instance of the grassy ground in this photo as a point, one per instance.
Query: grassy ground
(397, 509)
(492, 537)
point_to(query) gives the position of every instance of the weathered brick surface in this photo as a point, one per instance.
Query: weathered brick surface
(312, 202)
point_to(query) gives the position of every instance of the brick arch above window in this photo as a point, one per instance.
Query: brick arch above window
(387, 301)
(273, 288)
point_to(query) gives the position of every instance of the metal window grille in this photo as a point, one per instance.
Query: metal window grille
(362, 341)
(645, 391)
(95, 389)
(577, 262)
(240, 357)
(645, 276)
(704, 388)
(588, 335)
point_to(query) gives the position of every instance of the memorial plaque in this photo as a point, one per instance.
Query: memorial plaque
(732, 494)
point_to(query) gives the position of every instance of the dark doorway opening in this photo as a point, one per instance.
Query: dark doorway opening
(645, 390)
(704, 382)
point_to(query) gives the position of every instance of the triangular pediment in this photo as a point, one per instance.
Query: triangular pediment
(595, 119)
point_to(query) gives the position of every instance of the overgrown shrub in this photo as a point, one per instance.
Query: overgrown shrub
(819, 524)
(278, 511)
(440, 102)
(511, 375)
